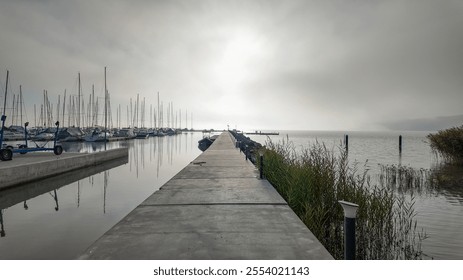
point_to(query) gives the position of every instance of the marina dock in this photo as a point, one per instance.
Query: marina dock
(215, 208)
(34, 166)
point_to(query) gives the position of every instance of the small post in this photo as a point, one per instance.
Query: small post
(400, 143)
(246, 152)
(346, 141)
(261, 169)
(350, 212)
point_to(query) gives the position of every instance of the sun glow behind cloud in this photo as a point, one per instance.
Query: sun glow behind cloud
(237, 59)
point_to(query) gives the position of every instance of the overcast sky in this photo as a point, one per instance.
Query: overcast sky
(322, 65)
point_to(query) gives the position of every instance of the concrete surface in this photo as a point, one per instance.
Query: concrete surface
(18, 194)
(215, 208)
(39, 165)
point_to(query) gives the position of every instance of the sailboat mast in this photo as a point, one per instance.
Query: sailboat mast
(159, 116)
(12, 110)
(105, 107)
(136, 110)
(93, 106)
(58, 107)
(64, 106)
(78, 103)
(6, 91)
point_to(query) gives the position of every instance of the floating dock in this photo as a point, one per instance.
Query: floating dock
(215, 208)
(35, 166)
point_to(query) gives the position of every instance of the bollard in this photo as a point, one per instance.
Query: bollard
(350, 211)
(261, 171)
(246, 152)
(400, 143)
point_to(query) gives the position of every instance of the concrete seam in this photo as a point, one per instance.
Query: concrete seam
(213, 204)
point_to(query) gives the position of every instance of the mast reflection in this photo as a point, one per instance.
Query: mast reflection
(55, 197)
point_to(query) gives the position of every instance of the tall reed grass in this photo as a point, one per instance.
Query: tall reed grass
(448, 144)
(314, 180)
(405, 179)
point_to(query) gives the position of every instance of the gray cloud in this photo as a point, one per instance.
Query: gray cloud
(293, 64)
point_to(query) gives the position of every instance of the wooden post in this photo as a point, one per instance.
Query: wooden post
(400, 143)
(346, 141)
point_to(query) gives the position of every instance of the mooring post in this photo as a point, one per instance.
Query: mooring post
(346, 141)
(350, 212)
(261, 169)
(400, 143)
(246, 152)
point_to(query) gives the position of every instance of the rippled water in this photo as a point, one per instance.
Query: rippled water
(439, 210)
(62, 218)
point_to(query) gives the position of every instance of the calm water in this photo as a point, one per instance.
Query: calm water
(439, 211)
(62, 221)
(66, 214)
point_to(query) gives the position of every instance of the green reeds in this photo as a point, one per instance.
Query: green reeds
(314, 180)
(405, 179)
(448, 144)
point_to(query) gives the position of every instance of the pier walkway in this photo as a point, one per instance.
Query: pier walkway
(215, 208)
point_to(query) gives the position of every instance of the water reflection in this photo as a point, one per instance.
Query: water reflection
(90, 201)
(448, 180)
(25, 192)
(55, 197)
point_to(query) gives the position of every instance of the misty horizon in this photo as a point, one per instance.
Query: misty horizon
(253, 65)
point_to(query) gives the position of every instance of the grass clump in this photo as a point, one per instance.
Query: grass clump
(448, 143)
(314, 180)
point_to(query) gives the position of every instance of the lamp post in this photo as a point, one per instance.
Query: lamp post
(350, 212)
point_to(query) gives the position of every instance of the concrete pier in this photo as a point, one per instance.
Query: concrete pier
(17, 194)
(215, 208)
(39, 165)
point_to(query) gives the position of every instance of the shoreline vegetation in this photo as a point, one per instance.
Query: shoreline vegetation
(448, 143)
(314, 180)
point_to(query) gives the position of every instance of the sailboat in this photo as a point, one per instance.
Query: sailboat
(98, 135)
